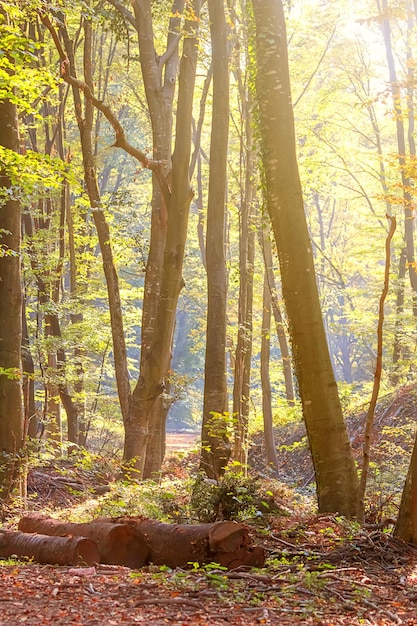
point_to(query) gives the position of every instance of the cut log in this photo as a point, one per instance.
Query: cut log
(134, 542)
(118, 544)
(46, 549)
(176, 545)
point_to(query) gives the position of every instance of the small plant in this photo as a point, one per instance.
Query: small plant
(233, 497)
(214, 574)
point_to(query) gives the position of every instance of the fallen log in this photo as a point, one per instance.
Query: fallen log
(118, 544)
(134, 542)
(176, 545)
(47, 549)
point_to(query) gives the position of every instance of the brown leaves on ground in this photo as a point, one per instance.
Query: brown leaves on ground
(321, 570)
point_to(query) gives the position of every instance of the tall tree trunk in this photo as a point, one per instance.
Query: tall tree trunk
(28, 367)
(369, 422)
(85, 126)
(271, 451)
(146, 419)
(336, 477)
(11, 414)
(402, 151)
(406, 526)
(241, 387)
(278, 319)
(149, 407)
(215, 451)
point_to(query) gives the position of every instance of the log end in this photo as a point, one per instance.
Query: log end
(253, 556)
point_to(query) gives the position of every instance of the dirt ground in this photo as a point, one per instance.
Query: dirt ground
(318, 572)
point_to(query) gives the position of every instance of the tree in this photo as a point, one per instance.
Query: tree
(406, 526)
(336, 477)
(271, 451)
(402, 150)
(145, 427)
(11, 415)
(246, 197)
(215, 450)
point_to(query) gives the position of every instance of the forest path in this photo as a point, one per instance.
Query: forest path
(180, 441)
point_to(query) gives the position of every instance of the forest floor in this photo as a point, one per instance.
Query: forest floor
(320, 570)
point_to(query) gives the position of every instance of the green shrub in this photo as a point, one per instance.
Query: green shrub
(234, 497)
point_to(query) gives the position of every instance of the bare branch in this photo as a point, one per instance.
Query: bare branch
(124, 12)
(121, 141)
(308, 83)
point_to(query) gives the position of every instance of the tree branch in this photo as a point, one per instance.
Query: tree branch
(121, 141)
(124, 12)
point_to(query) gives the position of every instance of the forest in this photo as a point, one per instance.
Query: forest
(208, 301)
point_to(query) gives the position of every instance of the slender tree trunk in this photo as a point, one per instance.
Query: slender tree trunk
(401, 144)
(336, 477)
(398, 347)
(85, 125)
(279, 321)
(146, 419)
(28, 367)
(271, 451)
(215, 450)
(241, 387)
(11, 414)
(149, 407)
(377, 375)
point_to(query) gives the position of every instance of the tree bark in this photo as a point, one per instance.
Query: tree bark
(276, 310)
(11, 413)
(409, 218)
(46, 549)
(215, 450)
(145, 424)
(178, 545)
(336, 477)
(243, 354)
(30, 413)
(136, 541)
(118, 544)
(271, 451)
(377, 375)
(406, 526)
(159, 357)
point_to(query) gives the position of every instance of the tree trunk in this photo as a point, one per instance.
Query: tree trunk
(399, 348)
(336, 477)
(85, 126)
(215, 450)
(241, 387)
(406, 526)
(271, 451)
(276, 310)
(28, 367)
(11, 414)
(369, 422)
(46, 549)
(159, 357)
(401, 145)
(159, 79)
(56, 376)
